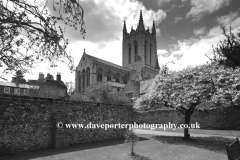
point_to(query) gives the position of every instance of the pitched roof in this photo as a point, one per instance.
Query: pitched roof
(136, 84)
(54, 83)
(145, 86)
(106, 62)
(20, 85)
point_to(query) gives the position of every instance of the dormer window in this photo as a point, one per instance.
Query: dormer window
(7, 90)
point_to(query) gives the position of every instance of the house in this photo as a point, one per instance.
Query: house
(50, 88)
(18, 89)
(43, 87)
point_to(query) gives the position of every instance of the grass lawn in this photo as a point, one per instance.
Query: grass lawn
(148, 148)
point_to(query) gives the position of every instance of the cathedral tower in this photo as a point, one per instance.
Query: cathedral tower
(139, 51)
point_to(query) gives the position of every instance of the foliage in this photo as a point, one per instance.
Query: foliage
(30, 33)
(185, 89)
(165, 69)
(101, 94)
(19, 74)
(228, 51)
(132, 138)
(212, 84)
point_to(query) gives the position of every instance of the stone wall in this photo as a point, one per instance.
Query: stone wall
(212, 119)
(29, 123)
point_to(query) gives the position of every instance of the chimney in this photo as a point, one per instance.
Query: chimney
(41, 77)
(58, 76)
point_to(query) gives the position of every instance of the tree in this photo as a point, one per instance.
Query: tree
(19, 74)
(30, 33)
(165, 69)
(131, 138)
(101, 94)
(18, 77)
(210, 84)
(228, 51)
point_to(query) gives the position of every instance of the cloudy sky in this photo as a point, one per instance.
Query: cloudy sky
(187, 29)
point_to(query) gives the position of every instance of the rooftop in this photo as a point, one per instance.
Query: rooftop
(106, 62)
(11, 84)
(145, 86)
(136, 84)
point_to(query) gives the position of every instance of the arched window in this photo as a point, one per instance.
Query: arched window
(117, 77)
(99, 75)
(109, 76)
(129, 54)
(135, 49)
(145, 51)
(150, 54)
(79, 83)
(88, 77)
(83, 80)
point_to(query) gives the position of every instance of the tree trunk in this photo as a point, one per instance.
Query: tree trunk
(132, 151)
(187, 120)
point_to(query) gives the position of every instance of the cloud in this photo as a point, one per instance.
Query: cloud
(158, 32)
(102, 24)
(172, 7)
(199, 31)
(202, 7)
(162, 52)
(184, 2)
(178, 18)
(231, 19)
(193, 51)
(104, 19)
(159, 2)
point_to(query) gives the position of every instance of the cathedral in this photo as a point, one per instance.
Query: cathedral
(139, 63)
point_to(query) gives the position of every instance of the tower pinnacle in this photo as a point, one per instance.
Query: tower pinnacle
(124, 26)
(153, 28)
(141, 17)
(140, 23)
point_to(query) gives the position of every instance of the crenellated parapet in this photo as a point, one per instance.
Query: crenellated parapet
(136, 31)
